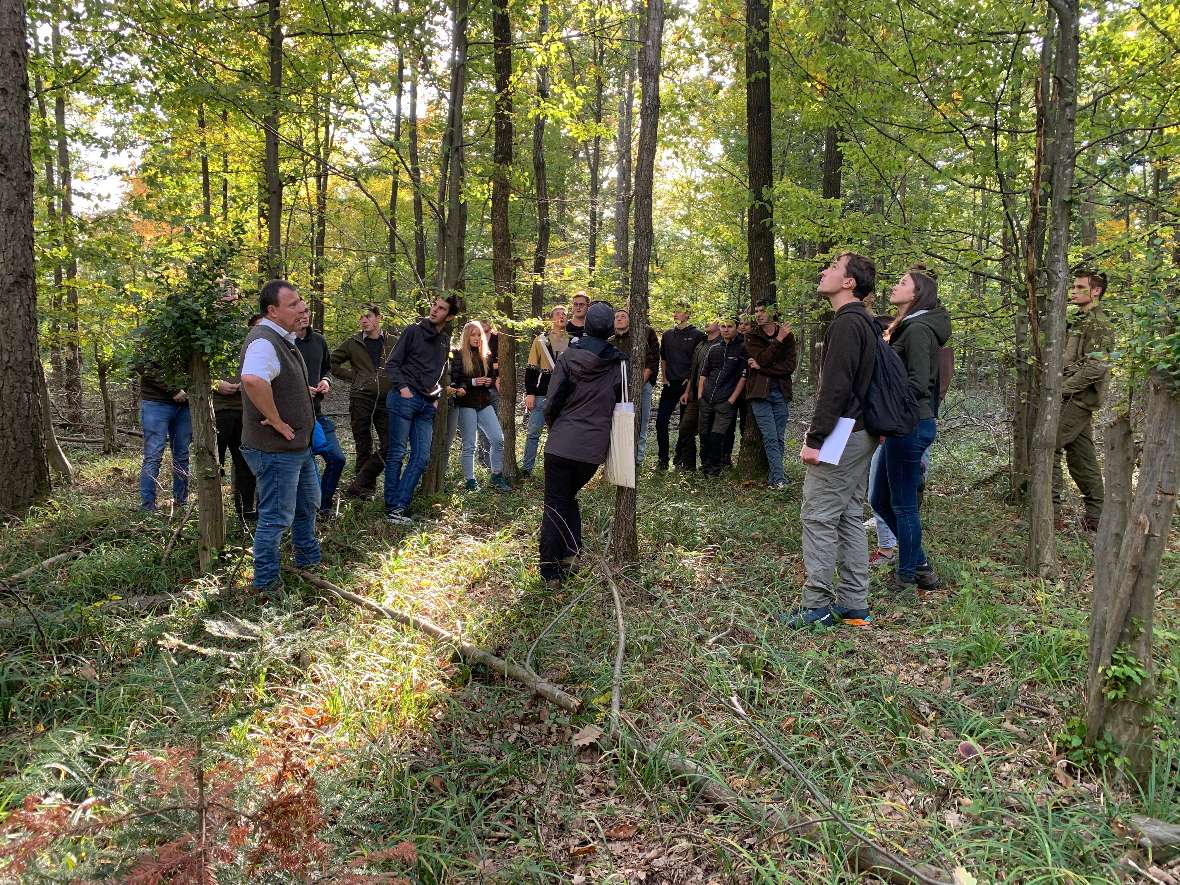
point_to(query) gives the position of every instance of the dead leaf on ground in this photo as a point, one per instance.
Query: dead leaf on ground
(962, 877)
(587, 735)
(1061, 774)
(437, 783)
(620, 832)
(583, 849)
(968, 750)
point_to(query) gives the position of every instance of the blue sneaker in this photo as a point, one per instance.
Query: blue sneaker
(807, 617)
(853, 617)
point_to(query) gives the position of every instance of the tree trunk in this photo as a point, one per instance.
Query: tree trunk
(1132, 537)
(61, 465)
(206, 184)
(205, 472)
(596, 156)
(274, 180)
(56, 352)
(624, 539)
(22, 445)
(503, 271)
(395, 182)
(72, 349)
(623, 164)
(224, 165)
(110, 442)
(416, 183)
(1041, 554)
(540, 175)
(320, 218)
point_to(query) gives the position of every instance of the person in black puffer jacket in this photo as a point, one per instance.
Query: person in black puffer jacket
(917, 334)
(586, 384)
(473, 381)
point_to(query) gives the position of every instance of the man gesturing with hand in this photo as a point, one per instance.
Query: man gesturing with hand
(277, 421)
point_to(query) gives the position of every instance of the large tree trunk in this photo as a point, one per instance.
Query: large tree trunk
(596, 156)
(274, 179)
(623, 164)
(73, 347)
(540, 175)
(1132, 537)
(205, 472)
(503, 271)
(1041, 554)
(22, 446)
(624, 539)
(416, 182)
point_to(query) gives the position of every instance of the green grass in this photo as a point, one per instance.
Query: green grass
(404, 743)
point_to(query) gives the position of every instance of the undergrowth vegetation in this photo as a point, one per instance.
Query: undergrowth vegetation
(154, 724)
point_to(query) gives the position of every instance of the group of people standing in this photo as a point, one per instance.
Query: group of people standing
(269, 419)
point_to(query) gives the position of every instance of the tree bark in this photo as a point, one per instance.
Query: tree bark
(56, 351)
(503, 269)
(61, 465)
(72, 349)
(1126, 568)
(395, 182)
(1041, 554)
(205, 473)
(23, 462)
(416, 182)
(623, 164)
(624, 539)
(224, 165)
(102, 365)
(324, 138)
(274, 180)
(596, 156)
(206, 184)
(540, 174)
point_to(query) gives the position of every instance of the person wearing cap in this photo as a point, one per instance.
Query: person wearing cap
(586, 384)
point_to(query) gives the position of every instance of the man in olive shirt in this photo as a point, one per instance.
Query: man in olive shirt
(359, 360)
(1084, 383)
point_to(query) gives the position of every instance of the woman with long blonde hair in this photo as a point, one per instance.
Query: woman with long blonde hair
(473, 378)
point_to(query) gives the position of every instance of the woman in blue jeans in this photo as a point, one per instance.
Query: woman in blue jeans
(473, 378)
(921, 328)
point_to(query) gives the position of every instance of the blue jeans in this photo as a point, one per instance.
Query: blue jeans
(473, 420)
(895, 494)
(886, 540)
(164, 422)
(644, 423)
(288, 497)
(334, 462)
(772, 414)
(533, 440)
(411, 426)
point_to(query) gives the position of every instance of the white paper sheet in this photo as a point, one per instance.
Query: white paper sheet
(833, 447)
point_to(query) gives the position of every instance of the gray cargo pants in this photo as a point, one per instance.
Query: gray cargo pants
(834, 535)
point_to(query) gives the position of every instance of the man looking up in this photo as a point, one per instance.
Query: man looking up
(690, 407)
(834, 494)
(772, 360)
(575, 326)
(547, 347)
(277, 419)
(314, 349)
(676, 349)
(1083, 385)
(359, 360)
(723, 377)
(414, 369)
(651, 367)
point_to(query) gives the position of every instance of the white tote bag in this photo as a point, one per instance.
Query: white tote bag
(620, 459)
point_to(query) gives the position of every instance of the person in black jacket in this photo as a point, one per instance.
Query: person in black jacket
(585, 386)
(676, 350)
(314, 349)
(919, 331)
(723, 377)
(473, 381)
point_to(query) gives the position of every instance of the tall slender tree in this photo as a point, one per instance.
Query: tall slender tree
(540, 172)
(503, 267)
(273, 175)
(623, 162)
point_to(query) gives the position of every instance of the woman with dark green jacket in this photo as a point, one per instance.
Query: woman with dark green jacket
(918, 333)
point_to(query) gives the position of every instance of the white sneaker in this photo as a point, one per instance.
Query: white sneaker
(398, 517)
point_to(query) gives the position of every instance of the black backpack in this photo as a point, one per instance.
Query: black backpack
(889, 408)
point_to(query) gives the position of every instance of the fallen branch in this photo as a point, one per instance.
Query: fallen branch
(31, 570)
(616, 691)
(1160, 839)
(188, 510)
(470, 653)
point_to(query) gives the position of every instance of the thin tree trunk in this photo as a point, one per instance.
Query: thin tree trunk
(503, 270)
(62, 468)
(103, 366)
(56, 353)
(23, 462)
(224, 165)
(623, 165)
(206, 184)
(624, 538)
(320, 219)
(205, 472)
(395, 182)
(72, 349)
(416, 182)
(540, 175)
(274, 180)
(1041, 554)
(596, 155)
(1132, 538)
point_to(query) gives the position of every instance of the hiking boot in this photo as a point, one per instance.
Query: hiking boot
(882, 556)
(926, 578)
(500, 484)
(807, 617)
(852, 617)
(471, 485)
(900, 586)
(661, 465)
(397, 516)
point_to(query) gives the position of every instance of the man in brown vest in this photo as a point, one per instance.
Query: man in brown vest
(277, 421)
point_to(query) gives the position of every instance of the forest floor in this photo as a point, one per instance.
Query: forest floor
(303, 739)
